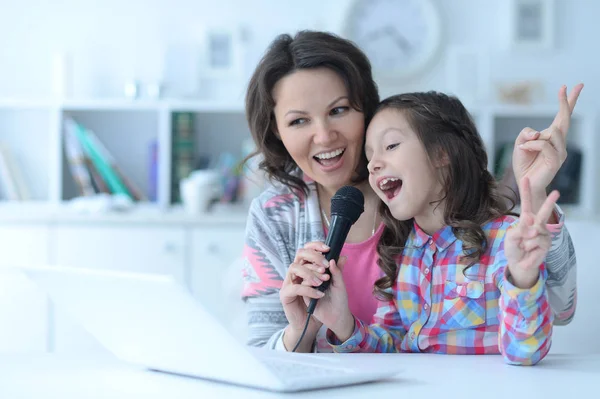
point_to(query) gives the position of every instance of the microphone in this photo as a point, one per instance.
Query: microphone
(346, 207)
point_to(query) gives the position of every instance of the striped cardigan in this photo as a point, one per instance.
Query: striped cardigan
(281, 221)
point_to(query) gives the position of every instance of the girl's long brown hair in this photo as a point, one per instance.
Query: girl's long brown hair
(471, 197)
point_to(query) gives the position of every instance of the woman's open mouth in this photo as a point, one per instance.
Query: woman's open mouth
(330, 160)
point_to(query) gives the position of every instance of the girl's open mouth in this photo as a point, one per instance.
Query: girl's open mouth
(390, 186)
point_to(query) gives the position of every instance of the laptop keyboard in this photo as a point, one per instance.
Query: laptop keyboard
(286, 369)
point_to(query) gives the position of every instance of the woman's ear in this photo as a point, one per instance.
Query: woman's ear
(274, 128)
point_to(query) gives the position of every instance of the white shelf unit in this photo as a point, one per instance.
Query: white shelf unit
(501, 124)
(33, 132)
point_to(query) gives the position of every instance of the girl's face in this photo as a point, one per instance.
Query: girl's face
(400, 171)
(320, 130)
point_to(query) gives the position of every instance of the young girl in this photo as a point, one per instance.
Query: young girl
(461, 275)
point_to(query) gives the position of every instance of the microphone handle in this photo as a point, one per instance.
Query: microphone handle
(338, 231)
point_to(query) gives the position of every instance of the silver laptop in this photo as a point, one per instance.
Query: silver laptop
(150, 320)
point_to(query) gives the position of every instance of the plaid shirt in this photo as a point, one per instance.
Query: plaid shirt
(436, 309)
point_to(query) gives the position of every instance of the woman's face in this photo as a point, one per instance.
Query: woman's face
(317, 125)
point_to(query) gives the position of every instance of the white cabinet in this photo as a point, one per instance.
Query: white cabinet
(141, 248)
(198, 253)
(23, 306)
(215, 275)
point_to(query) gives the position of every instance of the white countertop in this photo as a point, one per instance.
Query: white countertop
(424, 376)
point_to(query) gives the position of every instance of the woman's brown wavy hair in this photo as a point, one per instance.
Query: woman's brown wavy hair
(285, 55)
(471, 196)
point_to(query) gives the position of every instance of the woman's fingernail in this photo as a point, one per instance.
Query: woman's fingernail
(325, 262)
(321, 294)
(532, 133)
(325, 246)
(316, 281)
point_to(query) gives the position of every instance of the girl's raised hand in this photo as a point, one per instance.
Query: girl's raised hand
(528, 243)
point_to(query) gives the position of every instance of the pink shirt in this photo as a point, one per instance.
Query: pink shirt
(360, 273)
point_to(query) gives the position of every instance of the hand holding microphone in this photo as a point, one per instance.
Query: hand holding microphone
(346, 207)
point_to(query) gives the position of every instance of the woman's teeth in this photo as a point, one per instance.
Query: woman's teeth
(329, 158)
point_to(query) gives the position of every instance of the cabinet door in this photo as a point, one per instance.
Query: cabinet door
(23, 306)
(146, 249)
(215, 272)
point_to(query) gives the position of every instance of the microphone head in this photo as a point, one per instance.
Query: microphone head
(348, 202)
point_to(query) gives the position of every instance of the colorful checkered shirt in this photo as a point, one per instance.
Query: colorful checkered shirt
(436, 309)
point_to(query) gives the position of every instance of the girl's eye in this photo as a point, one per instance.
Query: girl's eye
(299, 121)
(391, 146)
(339, 110)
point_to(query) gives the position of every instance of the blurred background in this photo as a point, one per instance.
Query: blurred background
(122, 125)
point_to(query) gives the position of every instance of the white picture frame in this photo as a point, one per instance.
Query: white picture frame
(222, 53)
(468, 73)
(531, 25)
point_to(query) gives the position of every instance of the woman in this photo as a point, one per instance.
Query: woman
(308, 104)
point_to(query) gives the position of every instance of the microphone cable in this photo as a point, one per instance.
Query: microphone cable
(303, 332)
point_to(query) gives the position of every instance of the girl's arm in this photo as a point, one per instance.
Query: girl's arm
(525, 317)
(384, 335)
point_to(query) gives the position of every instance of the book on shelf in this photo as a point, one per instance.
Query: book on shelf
(131, 188)
(153, 175)
(182, 151)
(12, 181)
(79, 163)
(92, 166)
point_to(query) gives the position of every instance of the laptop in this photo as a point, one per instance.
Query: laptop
(152, 321)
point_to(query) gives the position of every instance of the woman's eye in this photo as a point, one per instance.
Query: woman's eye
(299, 121)
(339, 110)
(391, 146)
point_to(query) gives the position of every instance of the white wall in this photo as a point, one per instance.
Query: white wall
(113, 40)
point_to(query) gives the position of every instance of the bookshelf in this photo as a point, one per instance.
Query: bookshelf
(32, 129)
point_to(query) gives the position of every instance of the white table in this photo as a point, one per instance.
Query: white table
(424, 376)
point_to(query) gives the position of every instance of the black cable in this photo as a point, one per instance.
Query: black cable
(303, 332)
(312, 305)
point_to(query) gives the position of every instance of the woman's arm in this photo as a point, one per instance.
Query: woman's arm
(262, 281)
(265, 266)
(561, 264)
